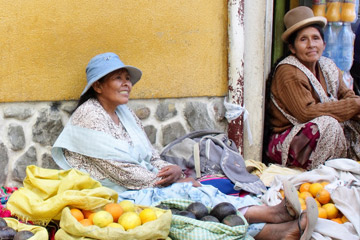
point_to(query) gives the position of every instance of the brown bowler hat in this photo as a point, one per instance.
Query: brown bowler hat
(298, 18)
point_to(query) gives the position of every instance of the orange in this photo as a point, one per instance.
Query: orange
(304, 195)
(324, 183)
(304, 187)
(317, 203)
(282, 193)
(91, 216)
(303, 206)
(344, 219)
(115, 209)
(77, 214)
(86, 222)
(86, 213)
(323, 196)
(331, 210)
(322, 213)
(302, 201)
(147, 215)
(315, 188)
(338, 220)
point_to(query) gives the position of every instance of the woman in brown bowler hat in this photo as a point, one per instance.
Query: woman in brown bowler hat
(311, 116)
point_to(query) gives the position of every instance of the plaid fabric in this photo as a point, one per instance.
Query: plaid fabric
(184, 228)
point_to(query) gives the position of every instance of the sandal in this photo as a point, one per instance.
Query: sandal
(311, 216)
(292, 203)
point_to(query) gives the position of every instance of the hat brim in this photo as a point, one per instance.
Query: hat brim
(304, 23)
(135, 76)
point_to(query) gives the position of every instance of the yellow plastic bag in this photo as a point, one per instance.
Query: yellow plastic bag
(71, 229)
(47, 191)
(40, 233)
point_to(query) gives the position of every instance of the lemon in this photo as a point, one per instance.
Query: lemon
(147, 215)
(129, 220)
(102, 218)
(116, 225)
(127, 205)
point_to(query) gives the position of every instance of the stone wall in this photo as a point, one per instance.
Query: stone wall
(28, 130)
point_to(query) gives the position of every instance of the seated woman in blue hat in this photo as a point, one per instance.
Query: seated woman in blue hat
(106, 139)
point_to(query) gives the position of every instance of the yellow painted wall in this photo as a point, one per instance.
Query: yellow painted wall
(180, 45)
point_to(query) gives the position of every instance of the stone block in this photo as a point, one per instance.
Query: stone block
(172, 131)
(28, 158)
(16, 137)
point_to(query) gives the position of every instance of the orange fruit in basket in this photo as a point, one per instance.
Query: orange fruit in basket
(315, 188)
(344, 219)
(77, 214)
(303, 206)
(304, 187)
(322, 213)
(86, 222)
(317, 203)
(323, 196)
(115, 210)
(282, 193)
(86, 213)
(304, 195)
(324, 183)
(331, 210)
(338, 220)
(91, 216)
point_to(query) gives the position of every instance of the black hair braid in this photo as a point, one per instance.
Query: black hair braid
(267, 124)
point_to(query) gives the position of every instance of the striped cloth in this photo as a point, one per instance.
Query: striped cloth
(184, 228)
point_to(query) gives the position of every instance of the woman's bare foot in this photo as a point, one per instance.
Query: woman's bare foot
(268, 214)
(286, 231)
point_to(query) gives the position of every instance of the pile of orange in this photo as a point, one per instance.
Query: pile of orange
(124, 215)
(326, 207)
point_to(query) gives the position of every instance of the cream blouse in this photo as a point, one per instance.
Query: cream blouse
(93, 116)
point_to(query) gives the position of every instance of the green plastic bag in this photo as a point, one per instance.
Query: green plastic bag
(40, 233)
(71, 229)
(185, 228)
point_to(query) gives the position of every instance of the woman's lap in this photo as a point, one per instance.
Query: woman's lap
(306, 137)
(318, 140)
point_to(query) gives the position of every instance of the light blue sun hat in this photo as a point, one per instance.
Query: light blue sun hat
(105, 63)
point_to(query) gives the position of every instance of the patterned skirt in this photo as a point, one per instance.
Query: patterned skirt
(310, 144)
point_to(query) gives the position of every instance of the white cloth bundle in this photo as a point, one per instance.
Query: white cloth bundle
(344, 177)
